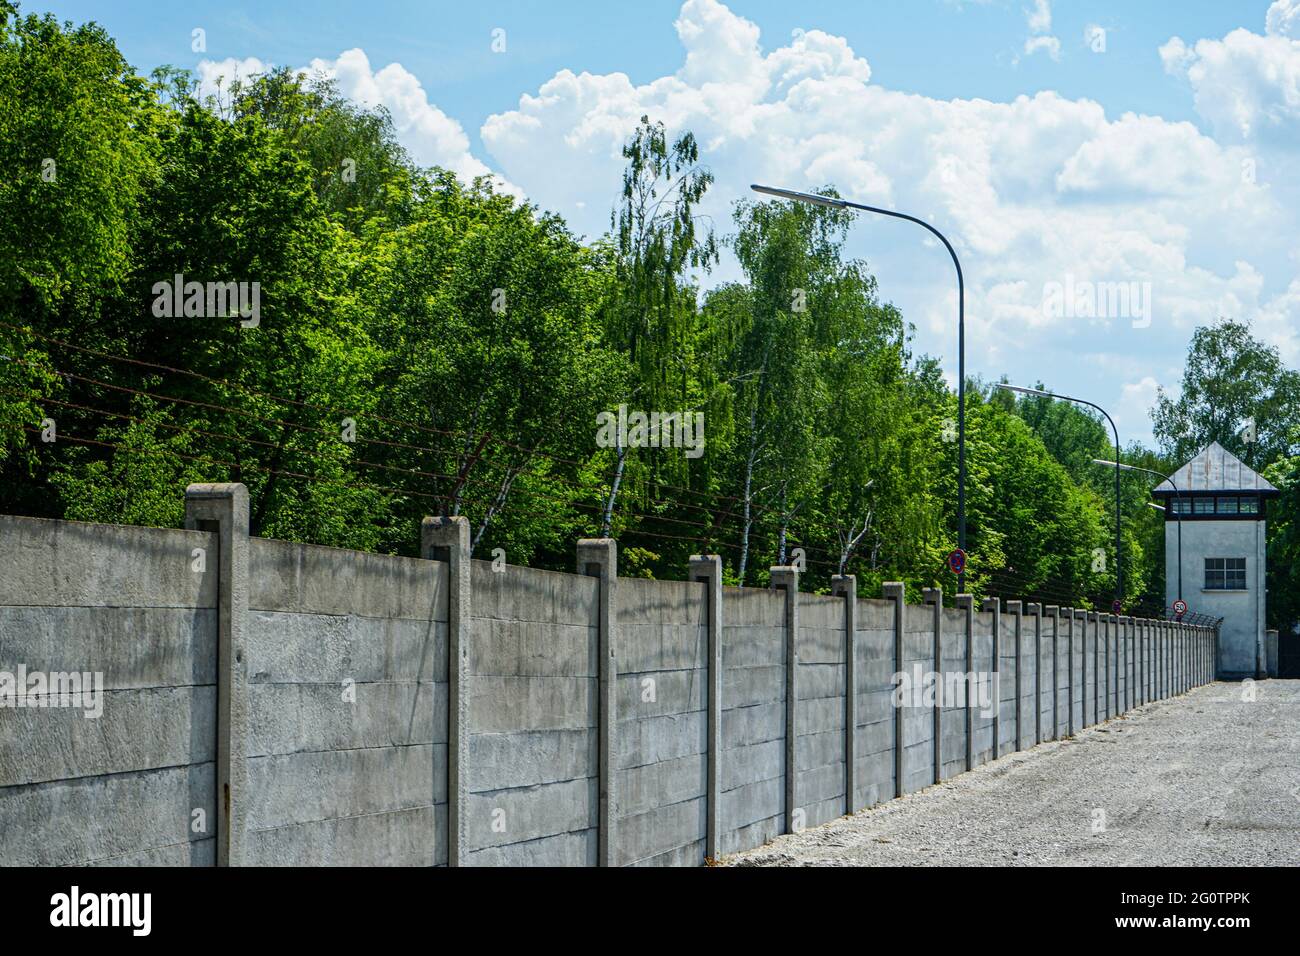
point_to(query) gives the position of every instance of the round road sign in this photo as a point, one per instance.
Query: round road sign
(1180, 607)
(957, 561)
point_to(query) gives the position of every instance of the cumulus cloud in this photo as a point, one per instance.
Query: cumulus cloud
(1031, 191)
(1283, 19)
(1246, 85)
(1034, 192)
(431, 136)
(216, 76)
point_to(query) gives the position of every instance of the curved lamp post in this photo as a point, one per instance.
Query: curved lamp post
(1119, 544)
(1179, 511)
(814, 199)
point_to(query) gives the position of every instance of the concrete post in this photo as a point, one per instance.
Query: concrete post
(896, 592)
(447, 539)
(966, 603)
(598, 558)
(1096, 667)
(1069, 671)
(1016, 610)
(1161, 632)
(995, 605)
(223, 509)
(846, 586)
(787, 579)
(1036, 612)
(1217, 635)
(1107, 627)
(1180, 666)
(1054, 612)
(1169, 658)
(1177, 634)
(1121, 664)
(707, 570)
(1184, 670)
(1141, 697)
(1130, 650)
(1121, 667)
(934, 598)
(1161, 660)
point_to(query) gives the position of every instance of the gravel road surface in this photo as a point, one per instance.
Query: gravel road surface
(1208, 778)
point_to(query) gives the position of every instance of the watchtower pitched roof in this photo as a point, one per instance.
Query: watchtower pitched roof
(1216, 469)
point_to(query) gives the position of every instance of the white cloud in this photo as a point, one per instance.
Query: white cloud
(1039, 17)
(1039, 20)
(429, 135)
(1283, 19)
(1050, 44)
(1030, 190)
(1246, 85)
(216, 76)
(1135, 399)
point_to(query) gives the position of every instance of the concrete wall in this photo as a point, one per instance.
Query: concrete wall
(753, 718)
(876, 737)
(821, 708)
(663, 676)
(347, 682)
(367, 709)
(533, 765)
(134, 786)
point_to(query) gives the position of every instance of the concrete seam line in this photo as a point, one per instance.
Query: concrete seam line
(966, 603)
(1015, 608)
(934, 597)
(994, 605)
(896, 592)
(1036, 612)
(707, 569)
(787, 579)
(846, 585)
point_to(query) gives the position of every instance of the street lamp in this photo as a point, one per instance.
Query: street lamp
(814, 199)
(1179, 510)
(1119, 544)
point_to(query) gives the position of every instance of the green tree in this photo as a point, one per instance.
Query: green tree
(1235, 391)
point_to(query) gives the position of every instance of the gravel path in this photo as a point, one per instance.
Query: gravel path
(1203, 779)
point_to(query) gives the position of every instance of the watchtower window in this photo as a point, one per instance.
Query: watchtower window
(1225, 574)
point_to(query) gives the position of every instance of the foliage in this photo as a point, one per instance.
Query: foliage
(430, 346)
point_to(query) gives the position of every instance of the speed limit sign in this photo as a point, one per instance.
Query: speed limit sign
(1180, 607)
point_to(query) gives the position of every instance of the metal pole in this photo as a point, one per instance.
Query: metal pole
(816, 200)
(1119, 557)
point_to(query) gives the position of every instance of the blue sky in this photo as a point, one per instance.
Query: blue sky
(1007, 124)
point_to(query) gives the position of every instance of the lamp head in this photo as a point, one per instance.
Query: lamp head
(1025, 391)
(796, 196)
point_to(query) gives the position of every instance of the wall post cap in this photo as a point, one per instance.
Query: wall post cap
(218, 489)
